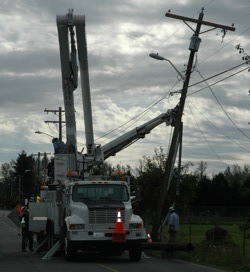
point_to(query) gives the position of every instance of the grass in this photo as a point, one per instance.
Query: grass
(227, 255)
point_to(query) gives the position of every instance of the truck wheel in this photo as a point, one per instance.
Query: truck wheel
(69, 249)
(135, 252)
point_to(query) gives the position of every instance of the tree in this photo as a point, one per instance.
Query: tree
(188, 184)
(220, 191)
(203, 192)
(200, 171)
(6, 192)
(245, 192)
(24, 166)
(237, 177)
(150, 176)
(106, 169)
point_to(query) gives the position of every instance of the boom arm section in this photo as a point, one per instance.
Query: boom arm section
(123, 141)
(67, 25)
(69, 72)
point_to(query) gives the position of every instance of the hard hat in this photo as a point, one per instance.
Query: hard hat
(171, 209)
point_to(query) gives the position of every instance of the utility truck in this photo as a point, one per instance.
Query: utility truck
(79, 211)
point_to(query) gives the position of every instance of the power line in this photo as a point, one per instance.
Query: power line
(217, 74)
(203, 135)
(60, 122)
(143, 58)
(222, 106)
(140, 114)
(224, 46)
(218, 128)
(160, 44)
(217, 81)
(164, 95)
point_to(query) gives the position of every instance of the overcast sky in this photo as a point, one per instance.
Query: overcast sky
(125, 82)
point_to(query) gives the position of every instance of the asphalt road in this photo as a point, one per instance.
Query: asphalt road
(13, 260)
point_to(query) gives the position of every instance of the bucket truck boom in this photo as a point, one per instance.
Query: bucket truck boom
(95, 155)
(67, 25)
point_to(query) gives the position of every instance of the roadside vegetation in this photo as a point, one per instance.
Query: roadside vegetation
(230, 254)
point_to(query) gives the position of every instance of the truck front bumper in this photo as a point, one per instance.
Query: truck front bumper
(106, 235)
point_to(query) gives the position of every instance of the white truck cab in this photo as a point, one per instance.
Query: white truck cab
(91, 216)
(83, 215)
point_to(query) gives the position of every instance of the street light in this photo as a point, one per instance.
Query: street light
(158, 57)
(41, 132)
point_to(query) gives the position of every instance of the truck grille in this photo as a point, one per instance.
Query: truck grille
(104, 216)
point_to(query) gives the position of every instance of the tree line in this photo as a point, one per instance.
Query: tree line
(228, 188)
(21, 179)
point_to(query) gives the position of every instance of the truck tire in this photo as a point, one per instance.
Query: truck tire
(135, 252)
(69, 249)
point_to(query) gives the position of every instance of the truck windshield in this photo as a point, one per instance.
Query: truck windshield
(100, 192)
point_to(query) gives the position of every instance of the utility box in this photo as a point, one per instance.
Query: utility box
(194, 43)
(60, 167)
(37, 216)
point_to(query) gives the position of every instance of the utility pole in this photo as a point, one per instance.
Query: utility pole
(193, 47)
(59, 111)
(39, 164)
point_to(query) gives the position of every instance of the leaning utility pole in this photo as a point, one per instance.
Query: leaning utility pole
(193, 47)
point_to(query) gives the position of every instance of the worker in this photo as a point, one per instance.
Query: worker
(26, 234)
(173, 224)
(59, 146)
(19, 209)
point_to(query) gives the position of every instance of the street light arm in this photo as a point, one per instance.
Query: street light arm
(180, 74)
(40, 132)
(158, 57)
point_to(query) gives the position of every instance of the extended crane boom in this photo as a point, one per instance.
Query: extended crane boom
(69, 26)
(66, 24)
(121, 142)
(118, 144)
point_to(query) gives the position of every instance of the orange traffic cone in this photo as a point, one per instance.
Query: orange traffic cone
(119, 234)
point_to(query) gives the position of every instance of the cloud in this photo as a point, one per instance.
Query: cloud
(124, 81)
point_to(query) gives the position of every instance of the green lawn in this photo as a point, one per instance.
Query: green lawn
(231, 254)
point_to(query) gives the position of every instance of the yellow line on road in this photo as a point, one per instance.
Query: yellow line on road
(110, 269)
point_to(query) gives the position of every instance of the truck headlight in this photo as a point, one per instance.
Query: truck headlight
(135, 226)
(76, 226)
